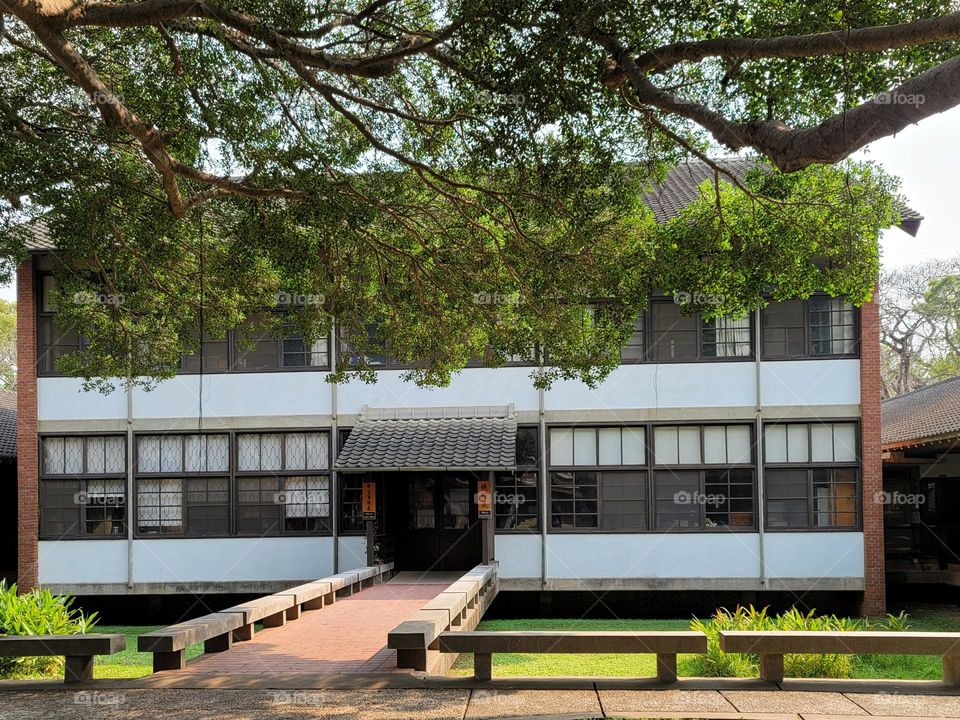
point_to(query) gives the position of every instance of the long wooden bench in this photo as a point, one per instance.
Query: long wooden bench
(271, 610)
(771, 646)
(169, 645)
(665, 645)
(78, 651)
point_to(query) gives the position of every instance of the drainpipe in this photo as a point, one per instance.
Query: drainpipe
(129, 457)
(541, 399)
(334, 447)
(759, 445)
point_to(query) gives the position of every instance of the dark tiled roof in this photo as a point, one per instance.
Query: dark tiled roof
(680, 188)
(931, 413)
(437, 438)
(8, 433)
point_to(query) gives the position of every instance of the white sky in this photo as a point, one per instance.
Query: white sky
(925, 157)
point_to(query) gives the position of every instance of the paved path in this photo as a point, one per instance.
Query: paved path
(464, 704)
(349, 636)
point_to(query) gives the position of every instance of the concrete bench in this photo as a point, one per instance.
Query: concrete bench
(78, 651)
(169, 645)
(665, 645)
(771, 646)
(271, 610)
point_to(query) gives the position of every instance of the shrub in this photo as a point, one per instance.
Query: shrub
(717, 663)
(38, 612)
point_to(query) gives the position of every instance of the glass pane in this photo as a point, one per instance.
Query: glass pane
(584, 446)
(48, 286)
(561, 446)
(248, 452)
(115, 452)
(775, 443)
(73, 456)
(844, 442)
(528, 452)
(53, 456)
(675, 336)
(296, 451)
(798, 449)
(714, 444)
(148, 454)
(609, 441)
(677, 499)
(95, 455)
(422, 512)
(171, 453)
(196, 451)
(270, 444)
(821, 440)
(634, 451)
(456, 503)
(318, 454)
(689, 440)
(665, 445)
(738, 444)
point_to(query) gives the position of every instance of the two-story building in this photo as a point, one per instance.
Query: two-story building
(721, 455)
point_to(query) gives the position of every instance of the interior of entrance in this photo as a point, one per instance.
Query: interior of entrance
(430, 520)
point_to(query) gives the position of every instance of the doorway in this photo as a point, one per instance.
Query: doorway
(434, 522)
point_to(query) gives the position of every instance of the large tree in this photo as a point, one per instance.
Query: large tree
(409, 164)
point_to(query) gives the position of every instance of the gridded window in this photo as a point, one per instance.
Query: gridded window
(183, 453)
(597, 446)
(255, 348)
(811, 442)
(783, 329)
(53, 342)
(676, 498)
(726, 337)
(834, 497)
(279, 505)
(635, 349)
(84, 455)
(832, 326)
(812, 498)
(207, 506)
(528, 447)
(83, 486)
(707, 445)
(297, 352)
(214, 352)
(728, 498)
(624, 500)
(817, 327)
(574, 499)
(516, 501)
(676, 336)
(351, 505)
(160, 506)
(282, 451)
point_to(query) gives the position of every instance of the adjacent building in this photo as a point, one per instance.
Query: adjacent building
(734, 455)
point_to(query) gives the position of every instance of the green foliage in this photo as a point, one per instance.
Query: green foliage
(717, 663)
(38, 612)
(8, 345)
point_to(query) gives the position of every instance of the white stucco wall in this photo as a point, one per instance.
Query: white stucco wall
(810, 382)
(82, 562)
(814, 554)
(518, 556)
(353, 553)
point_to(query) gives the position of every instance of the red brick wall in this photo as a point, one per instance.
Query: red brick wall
(874, 596)
(27, 467)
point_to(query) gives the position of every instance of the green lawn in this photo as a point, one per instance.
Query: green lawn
(130, 663)
(902, 667)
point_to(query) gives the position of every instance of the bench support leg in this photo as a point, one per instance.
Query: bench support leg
(951, 669)
(293, 613)
(78, 668)
(220, 643)
(482, 666)
(413, 659)
(330, 598)
(176, 660)
(276, 620)
(771, 668)
(667, 667)
(243, 634)
(315, 604)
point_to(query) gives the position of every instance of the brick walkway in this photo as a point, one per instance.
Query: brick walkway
(349, 636)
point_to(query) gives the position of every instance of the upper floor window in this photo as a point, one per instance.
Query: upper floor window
(516, 493)
(83, 486)
(255, 349)
(820, 326)
(678, 335)
(53, 341)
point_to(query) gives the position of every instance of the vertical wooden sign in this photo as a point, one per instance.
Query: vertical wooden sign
(369, 500)
(484, 499)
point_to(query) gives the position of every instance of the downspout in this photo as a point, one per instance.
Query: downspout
(129, 454)
(334, 448)
(541, 400)
(759, 447)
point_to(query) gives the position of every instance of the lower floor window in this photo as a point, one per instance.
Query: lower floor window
(815, 497)
(516, 506)
(82, 508)
(574, 499)
(351, 505)
(160, 506)
(277, 505)
(704, 499)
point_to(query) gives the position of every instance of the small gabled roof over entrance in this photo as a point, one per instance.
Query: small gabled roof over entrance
(443, 438)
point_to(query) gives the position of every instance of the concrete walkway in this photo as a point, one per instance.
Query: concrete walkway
(465, 704)
(349, 636)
